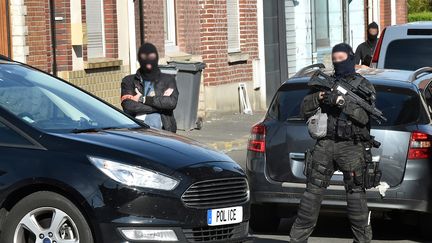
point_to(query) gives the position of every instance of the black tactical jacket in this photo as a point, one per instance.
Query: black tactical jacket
(359, 118)
(164, 105)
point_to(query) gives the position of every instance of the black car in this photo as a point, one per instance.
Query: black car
(75, 169)
(275, 160)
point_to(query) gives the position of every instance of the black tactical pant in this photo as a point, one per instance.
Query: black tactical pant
(327, 157)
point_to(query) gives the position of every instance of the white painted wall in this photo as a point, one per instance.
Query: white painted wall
(76, 18)
(299, 31)
(291, 36)
(303, 36)
(335, 22)
(356, 18)
(261, 54)
(19, 30)
(123, 33)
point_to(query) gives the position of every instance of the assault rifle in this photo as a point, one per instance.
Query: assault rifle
(325, 82)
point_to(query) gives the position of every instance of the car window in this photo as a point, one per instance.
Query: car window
(286, 104)
(52, 105)
(409, 54)
(9, 137)
(399, 105)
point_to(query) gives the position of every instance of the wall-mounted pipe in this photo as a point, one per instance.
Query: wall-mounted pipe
(53, 37)
(8, 30)
(141, 19)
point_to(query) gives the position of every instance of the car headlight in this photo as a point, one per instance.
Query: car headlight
(133, 175)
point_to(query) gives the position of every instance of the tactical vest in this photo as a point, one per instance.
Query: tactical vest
(341, 127)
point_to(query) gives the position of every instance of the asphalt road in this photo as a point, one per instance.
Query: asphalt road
(335, 229)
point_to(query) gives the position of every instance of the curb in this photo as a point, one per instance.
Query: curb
(225, 147)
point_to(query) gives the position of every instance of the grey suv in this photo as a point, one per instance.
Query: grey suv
(275, 159)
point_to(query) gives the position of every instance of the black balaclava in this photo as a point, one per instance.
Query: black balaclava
(346, 67)
(154, 72)
(372, 38)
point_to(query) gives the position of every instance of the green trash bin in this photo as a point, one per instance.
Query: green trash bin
(188, 79)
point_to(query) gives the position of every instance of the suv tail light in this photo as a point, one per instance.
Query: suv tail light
(257, 139)
(376, 54)
(420, 146)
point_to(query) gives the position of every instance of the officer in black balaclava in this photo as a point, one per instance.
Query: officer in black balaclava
(365, 50)
(150, 95)
(343, 148)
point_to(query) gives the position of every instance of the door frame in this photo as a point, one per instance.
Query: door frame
(283, 55)
(8, 27)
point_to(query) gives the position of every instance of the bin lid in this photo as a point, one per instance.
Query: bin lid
(188, 66)
(168, 69)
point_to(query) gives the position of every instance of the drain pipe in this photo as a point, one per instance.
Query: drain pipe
(141, 18)
(8, 30)
(53, 37)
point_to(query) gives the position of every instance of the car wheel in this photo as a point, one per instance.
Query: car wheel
(425, 225)
(45, 217)
(263, 218)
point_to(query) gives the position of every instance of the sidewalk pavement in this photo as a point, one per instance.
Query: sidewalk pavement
(225, 132)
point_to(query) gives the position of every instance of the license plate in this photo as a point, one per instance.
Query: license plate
(224, 216)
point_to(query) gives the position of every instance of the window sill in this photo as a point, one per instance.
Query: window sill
(95, 63)
(235, 57)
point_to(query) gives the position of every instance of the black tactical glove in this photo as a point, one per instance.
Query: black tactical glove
(330, 97)
(333, 98)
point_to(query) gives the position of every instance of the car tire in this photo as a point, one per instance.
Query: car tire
(49, 215)
(425, 225)
(264, 218)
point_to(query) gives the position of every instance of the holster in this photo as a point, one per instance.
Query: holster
(372, 175)
(308, 163)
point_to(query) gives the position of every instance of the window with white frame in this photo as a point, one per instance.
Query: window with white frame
(322, 29)
(95, 29)
(169, 23)
(233, 25)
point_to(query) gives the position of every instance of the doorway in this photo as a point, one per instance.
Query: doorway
(276, 62)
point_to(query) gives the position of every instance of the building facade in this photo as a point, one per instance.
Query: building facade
(258, 43)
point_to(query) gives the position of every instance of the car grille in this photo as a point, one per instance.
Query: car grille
(217, 193)
(223, 233)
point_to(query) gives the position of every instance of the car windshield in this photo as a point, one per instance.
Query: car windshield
(51, 105)
(400, 106)
(409, 54)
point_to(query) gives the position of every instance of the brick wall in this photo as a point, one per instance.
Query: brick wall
(63, 36)
(214, 42)
(104, 83)
(38, 39)
(385, 12)
(110, 20)
(154, 24)
(188, 26)
(401, 11)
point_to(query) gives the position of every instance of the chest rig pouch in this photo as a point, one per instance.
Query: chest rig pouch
(317, 124)
(344, 128)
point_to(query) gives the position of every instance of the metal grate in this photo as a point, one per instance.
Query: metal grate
(217, 193)
(217, 233)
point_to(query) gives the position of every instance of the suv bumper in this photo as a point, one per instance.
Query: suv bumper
(414, 193)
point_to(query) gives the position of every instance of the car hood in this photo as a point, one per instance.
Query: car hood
(168, 149)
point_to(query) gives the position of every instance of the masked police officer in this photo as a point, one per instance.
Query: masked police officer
(365, 50)
(341, 149)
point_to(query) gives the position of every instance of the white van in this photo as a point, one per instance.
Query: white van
(406, 47)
